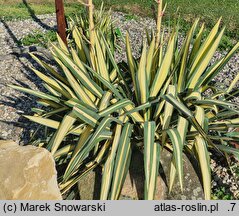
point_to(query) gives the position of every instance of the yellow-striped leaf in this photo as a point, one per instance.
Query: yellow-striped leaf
(203, 157)
(151, 160)
(123, 157)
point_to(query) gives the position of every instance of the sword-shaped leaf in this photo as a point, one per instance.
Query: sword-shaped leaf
(177, 153)
(121, 165)
(151, 160)
(234, 82)
(106, 83)
(150, 60)
(164, 69)
(131, 62)
(109, 165)
(183, 63)
(180, 106)
(86, 115)
(115, 107)
(44, 121)
(35, 93)
(141, 78)
(213, 71)
(168, 112)
(196, 44)
(203, 157)
(198, 71)
(112, 59)
(100, 60)
(205, 46)
(51, 82)
(61, 132)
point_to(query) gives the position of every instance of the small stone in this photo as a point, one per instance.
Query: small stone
(183, 197)
(195, 193)
(214, 183)
(199, 189)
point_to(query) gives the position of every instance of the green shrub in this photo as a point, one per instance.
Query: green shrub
(157, 101)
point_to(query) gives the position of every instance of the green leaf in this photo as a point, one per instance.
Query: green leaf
(44, 121)
(100, 60)
(180, 106)
(177, 153)
(61, 132)
(54, 73)
(202, 65)
(164, 69)
(106, 83)
(131, 63)
(35, 93)
(141, 78)
(109, 165)
(168, 112)
(123, 157)
(234, 82)
(205, 46)
(115, 107)
(212, 72)
(204, 162)
(112, 59)
(86, 115)
(183, 63)
(151, 160)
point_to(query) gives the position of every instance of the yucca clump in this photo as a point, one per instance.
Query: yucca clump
(155, 102)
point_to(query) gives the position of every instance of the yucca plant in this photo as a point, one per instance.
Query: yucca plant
(155, 102)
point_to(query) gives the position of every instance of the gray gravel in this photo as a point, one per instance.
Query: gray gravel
(14, 65)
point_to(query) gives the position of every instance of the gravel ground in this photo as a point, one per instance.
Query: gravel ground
(14, 64)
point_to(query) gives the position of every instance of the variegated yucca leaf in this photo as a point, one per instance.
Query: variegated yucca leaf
(122, 161)
(203, 157)
(151, 160)
(41, 95)
(109, 165)
(177, 153)
(96, 110)
(66, 124)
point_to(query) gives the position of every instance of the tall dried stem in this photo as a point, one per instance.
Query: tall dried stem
(159, 20)
(89, 4)
(91, 20)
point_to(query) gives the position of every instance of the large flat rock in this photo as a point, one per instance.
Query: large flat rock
(27, 173)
